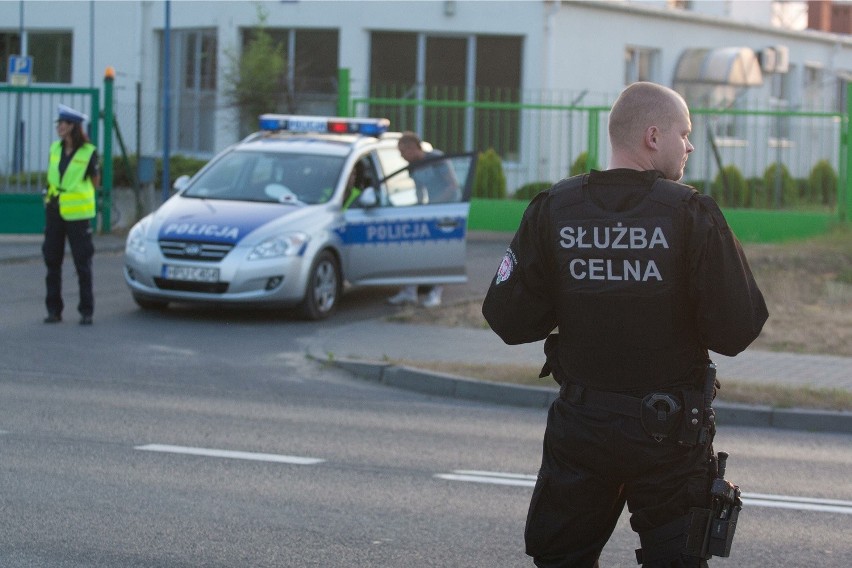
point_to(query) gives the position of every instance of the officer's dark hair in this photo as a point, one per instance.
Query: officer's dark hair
(78, 135)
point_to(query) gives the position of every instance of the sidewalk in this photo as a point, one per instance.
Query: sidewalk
(362, 347)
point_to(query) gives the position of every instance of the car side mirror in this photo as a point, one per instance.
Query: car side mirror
(368, 197)
(180, 183)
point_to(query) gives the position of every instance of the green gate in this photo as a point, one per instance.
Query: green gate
(27, 128)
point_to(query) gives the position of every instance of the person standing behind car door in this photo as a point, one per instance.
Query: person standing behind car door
(434, 184)
(72, 175)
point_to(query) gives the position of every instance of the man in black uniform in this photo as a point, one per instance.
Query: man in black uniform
(641, 276)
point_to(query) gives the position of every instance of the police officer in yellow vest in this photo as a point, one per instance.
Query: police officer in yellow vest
(72, 176)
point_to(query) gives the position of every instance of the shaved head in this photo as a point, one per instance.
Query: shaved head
(649, 128)
(640, 106)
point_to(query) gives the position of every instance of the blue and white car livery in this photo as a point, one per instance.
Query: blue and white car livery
(289, 214)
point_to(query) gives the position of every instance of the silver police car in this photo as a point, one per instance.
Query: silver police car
(292, 213)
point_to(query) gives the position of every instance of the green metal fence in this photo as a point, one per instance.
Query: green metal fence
(762, 159)
(27, 128)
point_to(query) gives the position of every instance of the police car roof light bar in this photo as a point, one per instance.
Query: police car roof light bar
(335, 125)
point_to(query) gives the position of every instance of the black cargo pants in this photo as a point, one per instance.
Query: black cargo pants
(594, 461)
(79, 235)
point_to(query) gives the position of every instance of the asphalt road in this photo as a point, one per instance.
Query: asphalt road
(206, 438)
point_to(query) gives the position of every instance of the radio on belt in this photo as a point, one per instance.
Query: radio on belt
(323, 124)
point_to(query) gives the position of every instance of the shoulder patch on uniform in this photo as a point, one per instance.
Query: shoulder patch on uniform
(507, 266)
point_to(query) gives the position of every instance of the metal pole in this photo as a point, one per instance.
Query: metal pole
(92, 43)
(343, 98)
(844, 190)
(167, 56)
(18, 151)
(106, 214)
(138, 120)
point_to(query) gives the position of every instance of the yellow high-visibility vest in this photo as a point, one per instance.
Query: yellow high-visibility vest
(76, 192)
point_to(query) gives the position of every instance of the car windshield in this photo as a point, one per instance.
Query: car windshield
(272, 177)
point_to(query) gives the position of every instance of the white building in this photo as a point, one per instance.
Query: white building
(731, 53)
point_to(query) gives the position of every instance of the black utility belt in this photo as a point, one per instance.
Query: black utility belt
(684, 417)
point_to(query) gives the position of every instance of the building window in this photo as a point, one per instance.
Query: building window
(679, 4)
(312, 64)
(199, 53)
(498, 79)
(812, 88)
(419, 66)
(52, 56)
(193, 75)
(51, 53)
(780, 100)
(315, 62)
(844, 78)
(10, 44)
(640, 64)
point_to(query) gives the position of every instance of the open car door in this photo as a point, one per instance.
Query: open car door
(412, 228)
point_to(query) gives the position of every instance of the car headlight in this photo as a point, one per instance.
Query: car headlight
(135, 243)
(290, 244)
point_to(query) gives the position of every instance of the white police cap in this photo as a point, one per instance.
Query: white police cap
(69, 114)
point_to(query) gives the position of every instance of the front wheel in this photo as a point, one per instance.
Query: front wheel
(324, 288)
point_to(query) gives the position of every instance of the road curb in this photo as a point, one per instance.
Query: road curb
(453, 386)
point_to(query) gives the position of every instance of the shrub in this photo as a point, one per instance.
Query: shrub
(178, 166)
(580, 165)
(736, 194)
(698, 184)
(758, 195)
(255, 78)
(789, 188)
(490, 181)
(528, 191)
(823, 183)
(36, 179)
(803, 190)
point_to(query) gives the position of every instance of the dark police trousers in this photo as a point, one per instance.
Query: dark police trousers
(79, 235)
(594, 461)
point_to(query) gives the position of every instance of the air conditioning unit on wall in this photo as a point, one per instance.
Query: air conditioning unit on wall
(767, 58)
(774, 59)
(782, 58)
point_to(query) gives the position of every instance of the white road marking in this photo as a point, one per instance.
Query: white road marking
(800, 503)
(750, 499)
(254, 456)
(474, 476)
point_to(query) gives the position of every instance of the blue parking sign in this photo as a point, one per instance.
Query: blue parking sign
(20, 70)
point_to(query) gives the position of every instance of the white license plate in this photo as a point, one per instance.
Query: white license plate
(190, 273)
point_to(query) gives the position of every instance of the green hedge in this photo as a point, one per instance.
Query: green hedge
(178, 166)
(530, 190)
(490, 180)
(750, 225)
(729, 188)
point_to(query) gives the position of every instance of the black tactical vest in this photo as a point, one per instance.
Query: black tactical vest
(625, 321)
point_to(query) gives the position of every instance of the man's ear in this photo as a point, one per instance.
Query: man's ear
(652, 134)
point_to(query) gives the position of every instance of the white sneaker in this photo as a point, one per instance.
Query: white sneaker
(407, 295)
(433, 299)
